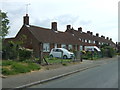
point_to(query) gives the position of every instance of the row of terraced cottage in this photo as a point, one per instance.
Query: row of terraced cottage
(43, 39)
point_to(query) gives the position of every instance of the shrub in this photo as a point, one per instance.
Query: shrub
(10, 50)
(24, 54)
(111, 52)
(64, 64)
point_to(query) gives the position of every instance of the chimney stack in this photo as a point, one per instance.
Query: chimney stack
(110, 39)
(54, 26)
(104, 37)
(80, 29)
(107, 38)
(91, 33)
(68, 27)
(97, 34)
(88, 32)
(26, 20)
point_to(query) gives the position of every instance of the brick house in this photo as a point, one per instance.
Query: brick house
(43, 39)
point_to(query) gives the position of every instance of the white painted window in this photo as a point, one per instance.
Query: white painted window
(63, 46)
(85, 40)
(46, 47)
(81, 48)
(55, 46)
(69, 47)
(76, 47)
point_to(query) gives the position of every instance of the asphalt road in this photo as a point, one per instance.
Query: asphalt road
(104, 76)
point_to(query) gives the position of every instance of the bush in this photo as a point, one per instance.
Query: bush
(64, 64)
(24, 54)
(10, 50)
(111, 52)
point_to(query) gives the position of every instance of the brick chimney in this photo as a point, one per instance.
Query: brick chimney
(68, 27)
(88, 32)
(97, 34)
(110, 39)
(80, 29)
(107, 38)
(26, 20)
(54, 26)
(91, 33)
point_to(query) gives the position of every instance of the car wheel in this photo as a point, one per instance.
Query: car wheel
(64, 57)
(51, 56)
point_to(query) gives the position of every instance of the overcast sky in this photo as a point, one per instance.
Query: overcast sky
(97, 16)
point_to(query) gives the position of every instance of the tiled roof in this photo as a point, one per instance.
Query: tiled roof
(87, 36)
(50, 36)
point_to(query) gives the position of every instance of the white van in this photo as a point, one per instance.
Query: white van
(92, 48)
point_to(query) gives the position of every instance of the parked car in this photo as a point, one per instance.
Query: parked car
(61, 53)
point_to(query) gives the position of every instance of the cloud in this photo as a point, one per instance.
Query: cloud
(85, 22)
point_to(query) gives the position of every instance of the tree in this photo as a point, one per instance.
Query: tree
(4, 21)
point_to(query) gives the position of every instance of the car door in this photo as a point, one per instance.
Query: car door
(57, 53)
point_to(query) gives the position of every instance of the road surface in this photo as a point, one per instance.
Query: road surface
(104, 76)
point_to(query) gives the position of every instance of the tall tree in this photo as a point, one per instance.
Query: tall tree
(4, 21)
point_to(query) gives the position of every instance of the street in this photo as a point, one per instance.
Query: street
(104, 76)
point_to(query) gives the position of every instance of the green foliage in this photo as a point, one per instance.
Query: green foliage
(7, 63)
(6, 71)
(64, 64)
(19, 68)
(33, 66)
(24, 54)
(12, 67)
(4, 25)
(107, 51)
(91, 55)
(10, 51)
(57, 60)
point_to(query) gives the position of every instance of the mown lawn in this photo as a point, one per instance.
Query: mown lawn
(10, 67)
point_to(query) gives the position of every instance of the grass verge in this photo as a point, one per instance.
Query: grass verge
(13, 67)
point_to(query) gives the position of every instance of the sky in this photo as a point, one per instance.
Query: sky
(97, 16)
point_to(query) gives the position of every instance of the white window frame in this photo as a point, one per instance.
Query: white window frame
(46, 47)
(63, 46)
(85, 40)
(70, 47)
(76, 47)
(81, 48)
(55, 46)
